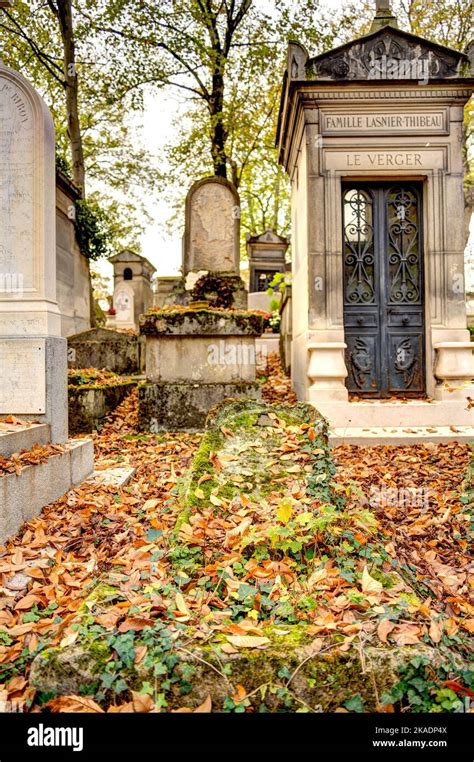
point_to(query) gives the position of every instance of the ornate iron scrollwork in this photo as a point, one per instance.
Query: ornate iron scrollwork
(403, 247)
(383, 289)
(359, 248)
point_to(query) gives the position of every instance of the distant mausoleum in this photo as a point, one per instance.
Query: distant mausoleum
(133, 290)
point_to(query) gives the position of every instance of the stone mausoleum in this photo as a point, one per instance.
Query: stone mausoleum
(133, 290)
(371, 134)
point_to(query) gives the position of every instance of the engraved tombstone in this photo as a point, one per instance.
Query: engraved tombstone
(124, 306)
(33, 356)
(212, 230)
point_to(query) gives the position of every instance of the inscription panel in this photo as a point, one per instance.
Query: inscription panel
(379, 159)
(22, 376)
(360, 122)
(16, 183)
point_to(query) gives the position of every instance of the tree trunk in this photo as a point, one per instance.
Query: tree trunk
(72, 104)
(218, 131)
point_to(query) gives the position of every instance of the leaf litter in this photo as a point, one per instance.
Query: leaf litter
(95, 534)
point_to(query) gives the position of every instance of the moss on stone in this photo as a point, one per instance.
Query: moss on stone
(202, 320)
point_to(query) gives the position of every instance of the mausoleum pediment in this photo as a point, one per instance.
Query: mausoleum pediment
(387, 53)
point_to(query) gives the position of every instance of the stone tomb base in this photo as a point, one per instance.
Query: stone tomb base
(195, 358)
(24, 495)
(176, 407)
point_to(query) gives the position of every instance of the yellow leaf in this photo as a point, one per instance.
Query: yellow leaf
(316, 577)
(181, 604)
(215, 500)
(248, 641)
(150, 504)
(369, 584)
(284, 511)
(199, 493)
(69, 639)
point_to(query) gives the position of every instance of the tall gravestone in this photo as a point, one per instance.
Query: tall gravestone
(198, 355)
(33, 356)
(124, 306)
(211, 246)
(212, 227)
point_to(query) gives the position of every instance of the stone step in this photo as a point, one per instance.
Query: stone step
(24, 495)
(400, 435)
(16, 437)
(408, 413)
(113, 477)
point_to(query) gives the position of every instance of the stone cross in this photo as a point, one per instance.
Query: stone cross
(383, 15)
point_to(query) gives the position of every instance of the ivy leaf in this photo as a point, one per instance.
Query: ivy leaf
(355, 704)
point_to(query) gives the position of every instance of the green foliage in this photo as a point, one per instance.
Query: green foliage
(92, 232)
(109, 97)
(419, 689)
(355, 704)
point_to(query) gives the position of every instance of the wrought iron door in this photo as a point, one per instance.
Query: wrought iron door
(383, 289)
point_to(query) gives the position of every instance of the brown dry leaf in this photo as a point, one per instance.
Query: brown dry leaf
(140, 653)
(205, 707)
(142, 702)
(406, 634)
(27, 602)
(228, 649)
(74, 704)
(435, 631)
(384, 629)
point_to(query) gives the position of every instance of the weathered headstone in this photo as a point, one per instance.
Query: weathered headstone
(203, 350)
(212, 227)
(211, 252)
(33, 355)
(124, 306)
